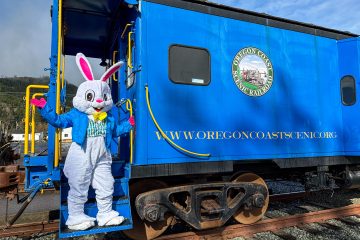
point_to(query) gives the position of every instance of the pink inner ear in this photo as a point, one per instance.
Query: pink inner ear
(86, 69)
(111, 72)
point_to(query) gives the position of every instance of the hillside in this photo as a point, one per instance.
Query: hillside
(12, 104)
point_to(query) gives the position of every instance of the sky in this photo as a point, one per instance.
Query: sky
(25, 29)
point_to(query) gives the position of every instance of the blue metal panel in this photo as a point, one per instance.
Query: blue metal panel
(304, 96)
(120, 205)
(126, 73)
(35, 161)
(181, 107)
(36, 172)
(51, 95)
(140, 151)
(349, 59)
(114, 148)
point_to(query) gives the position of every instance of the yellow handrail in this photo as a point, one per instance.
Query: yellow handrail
(126, 27)
(130, 109)
(129, 60)
(164, 135)
(33, 112)
(27, 108)
(113, 62)
(63, 72)
(58, 86)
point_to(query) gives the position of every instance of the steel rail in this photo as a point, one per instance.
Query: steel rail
(27, 229)
(287, 197)
(227, 232)
(241, 230)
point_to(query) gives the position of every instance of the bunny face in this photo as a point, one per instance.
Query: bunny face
(93, 95)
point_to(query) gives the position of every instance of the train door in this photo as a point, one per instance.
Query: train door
(349, 94)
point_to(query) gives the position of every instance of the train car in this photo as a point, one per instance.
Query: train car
(223, 98)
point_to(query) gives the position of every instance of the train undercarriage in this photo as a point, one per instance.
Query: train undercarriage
(200, 205)
(210, 200)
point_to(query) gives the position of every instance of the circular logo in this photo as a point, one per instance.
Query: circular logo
(252, 72)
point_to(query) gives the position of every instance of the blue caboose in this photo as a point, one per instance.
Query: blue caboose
(221, 96)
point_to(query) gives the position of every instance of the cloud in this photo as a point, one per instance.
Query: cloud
(26, 41)
(26, 29)
(25, 38)
(342, 15)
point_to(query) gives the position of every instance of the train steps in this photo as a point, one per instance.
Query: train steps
(121, 204)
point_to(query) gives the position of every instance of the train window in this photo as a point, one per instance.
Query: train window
(348, 93)
(189, 65)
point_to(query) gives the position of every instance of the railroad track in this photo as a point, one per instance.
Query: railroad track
(310, 212)
(272, 225)
(28, 229)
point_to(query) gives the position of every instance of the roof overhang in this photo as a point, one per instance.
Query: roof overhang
(88, 26)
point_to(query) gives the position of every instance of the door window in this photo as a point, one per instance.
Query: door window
(348, 93)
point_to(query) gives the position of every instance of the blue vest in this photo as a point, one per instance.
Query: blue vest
(79, 122)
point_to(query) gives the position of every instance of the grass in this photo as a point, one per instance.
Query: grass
(249, 85)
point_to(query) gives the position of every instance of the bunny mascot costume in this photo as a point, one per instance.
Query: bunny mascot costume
(89, 159)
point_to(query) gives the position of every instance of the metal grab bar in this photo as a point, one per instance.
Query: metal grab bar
(130, 109)
(33, 112)
(129, 60)
(58, 85)
(27, 108)
(126, 27)
(113, 62)
(63, 72)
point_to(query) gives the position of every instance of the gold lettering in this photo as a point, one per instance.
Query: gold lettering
(227, 136)
(260, 135)
(334, 135)
(175, 135)
(281, 135)
(245, 135)
(236, 135)
(288, 135)
(268, 135)
(159, 136)
(251, 135)
(188, 134)
(275, 135)
(299, 135)
(306, 135)
(210, 135)
(219, 134)
(203, 135)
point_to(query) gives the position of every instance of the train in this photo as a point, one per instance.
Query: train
(223, 98)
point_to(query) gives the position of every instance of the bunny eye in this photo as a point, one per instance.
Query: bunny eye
(89, 95)
(105, 97)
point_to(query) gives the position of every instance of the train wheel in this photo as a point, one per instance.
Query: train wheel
(142, 229)
(252, 215)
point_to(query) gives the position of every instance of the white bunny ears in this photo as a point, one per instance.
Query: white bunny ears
(85, 68)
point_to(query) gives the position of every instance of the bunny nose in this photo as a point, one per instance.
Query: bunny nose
(99, 100)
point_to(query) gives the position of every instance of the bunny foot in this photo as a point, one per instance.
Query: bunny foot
(115, 221)
(82, 226)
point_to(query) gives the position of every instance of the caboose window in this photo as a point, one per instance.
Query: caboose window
(189, 65)
(348, 93)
